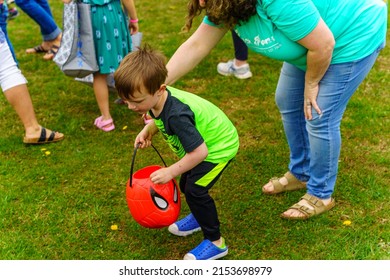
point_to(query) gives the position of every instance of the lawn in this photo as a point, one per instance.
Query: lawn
(59, 201)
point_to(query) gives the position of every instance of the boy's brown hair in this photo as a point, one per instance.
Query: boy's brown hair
(140, 69)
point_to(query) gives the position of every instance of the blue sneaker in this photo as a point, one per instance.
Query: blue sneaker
(207, 251)
(185, 226)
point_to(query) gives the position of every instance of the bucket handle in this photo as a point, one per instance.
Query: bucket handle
(133, 159)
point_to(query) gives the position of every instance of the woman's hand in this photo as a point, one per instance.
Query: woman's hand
(319, 44)
(311, 93)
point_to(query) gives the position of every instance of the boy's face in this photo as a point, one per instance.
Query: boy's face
(143, 101)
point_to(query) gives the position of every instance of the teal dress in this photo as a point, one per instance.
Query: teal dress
(111, 33)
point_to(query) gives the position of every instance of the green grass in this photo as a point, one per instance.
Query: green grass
(61, 206)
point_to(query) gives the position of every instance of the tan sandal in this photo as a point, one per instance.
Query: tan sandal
(318, 208)
(292, 184)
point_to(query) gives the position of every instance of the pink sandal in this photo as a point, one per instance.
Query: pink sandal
(106, 125)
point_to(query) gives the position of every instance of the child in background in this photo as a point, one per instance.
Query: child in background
(112, 43)
(198, 132)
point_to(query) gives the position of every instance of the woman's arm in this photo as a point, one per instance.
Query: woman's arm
(320, 44)
(192, 51)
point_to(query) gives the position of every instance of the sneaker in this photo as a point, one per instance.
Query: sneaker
(12, 13)
(207, 251)
(229, 69)
(185, 226)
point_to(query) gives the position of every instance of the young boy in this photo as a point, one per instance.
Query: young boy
(199, 133)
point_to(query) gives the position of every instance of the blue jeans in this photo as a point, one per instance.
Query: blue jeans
(39, 11)
(3, 26)
(315, 144)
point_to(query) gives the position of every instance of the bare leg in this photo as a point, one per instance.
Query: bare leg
(20, 100)
(101, 93)
(239, 63)
(100, 88)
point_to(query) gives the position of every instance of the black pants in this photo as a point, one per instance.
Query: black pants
(240, 48)
(197, 195)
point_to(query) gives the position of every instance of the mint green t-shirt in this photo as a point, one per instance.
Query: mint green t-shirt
(358, 26)
(188, 120)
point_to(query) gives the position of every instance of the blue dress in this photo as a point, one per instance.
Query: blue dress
(111, 33)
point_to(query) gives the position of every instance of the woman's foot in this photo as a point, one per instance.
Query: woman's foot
(54, 46)
(286, 183)
(42, 48)
(51, 53)
(42, 135)
(308, 207)
(48, 47)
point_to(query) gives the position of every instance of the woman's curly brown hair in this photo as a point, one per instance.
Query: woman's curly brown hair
(226, 12)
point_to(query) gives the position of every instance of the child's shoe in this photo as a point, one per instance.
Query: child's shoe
(207, 251)
(185, 226)
(106, 125)
(229, 68)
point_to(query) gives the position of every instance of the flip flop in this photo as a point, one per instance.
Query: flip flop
(51, 53)
(42, 139)
(36, 49)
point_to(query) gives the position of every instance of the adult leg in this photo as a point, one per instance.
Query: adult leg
(15, 90)
(3, 26)
(336, 88)
(39, 11)
(289, 99)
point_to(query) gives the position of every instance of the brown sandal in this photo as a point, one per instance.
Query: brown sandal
(51, 53)
(292, 184)
(318, 208)
(36, 49)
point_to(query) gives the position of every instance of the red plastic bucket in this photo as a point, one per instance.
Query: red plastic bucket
(152, 205)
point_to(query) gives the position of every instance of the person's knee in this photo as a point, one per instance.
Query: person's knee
(320, 126)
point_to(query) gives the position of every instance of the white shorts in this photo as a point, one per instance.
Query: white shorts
(10, 74)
